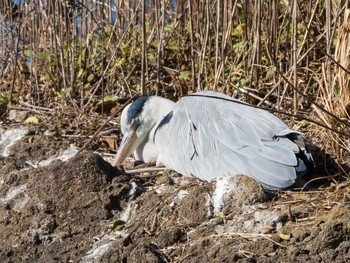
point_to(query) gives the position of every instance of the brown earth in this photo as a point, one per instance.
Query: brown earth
(84, 210)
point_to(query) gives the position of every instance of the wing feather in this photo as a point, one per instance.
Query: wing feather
(207, 138)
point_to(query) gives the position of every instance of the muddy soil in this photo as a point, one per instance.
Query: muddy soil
(84, 210)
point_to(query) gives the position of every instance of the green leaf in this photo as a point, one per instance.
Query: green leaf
(68, 91)
(80, 73)
(43, 55)
(239, 47)
(27, 53)
(184, 74)
(108, 98)
(3, 100)
(153, 44)
(118, 225)
(221, 216)
(90, 78)
(125, 50)
(173, 45)
(121, 62)
(3, 103)
(151, 56)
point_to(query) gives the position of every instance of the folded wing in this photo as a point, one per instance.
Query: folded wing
(219, 136)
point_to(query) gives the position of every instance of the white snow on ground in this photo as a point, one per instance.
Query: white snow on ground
(13, 193)
(126, 214)
(65, 155)
(251, 220)
(9, 138)
(223, 185)
(182, 194)
(17, 193)
(68, 153)
(102, 246)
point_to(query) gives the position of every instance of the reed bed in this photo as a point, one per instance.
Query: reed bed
(288, 56)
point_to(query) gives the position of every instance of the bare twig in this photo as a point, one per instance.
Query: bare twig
(104, 124)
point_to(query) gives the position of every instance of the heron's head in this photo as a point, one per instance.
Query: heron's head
(137, 121)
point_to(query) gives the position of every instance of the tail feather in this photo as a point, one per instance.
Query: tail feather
(305, 161)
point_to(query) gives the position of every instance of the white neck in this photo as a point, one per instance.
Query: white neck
(153, 112)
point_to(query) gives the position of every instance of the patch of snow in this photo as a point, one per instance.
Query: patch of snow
(32, 164)
(120, 233)
(208, 204)
(101, 247)
(13, 193)
(126, 214)
(182, 194)
(8, 138)
(70, 152)
(179, 197)
(161, 189)
(260, 222)
(21, 203)
(251, 220)
(64, 156)
(222, 187)
(265, 219)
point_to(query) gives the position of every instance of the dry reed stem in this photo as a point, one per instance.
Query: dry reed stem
(226, 45)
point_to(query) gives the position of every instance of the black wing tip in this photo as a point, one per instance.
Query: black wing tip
(304, 156)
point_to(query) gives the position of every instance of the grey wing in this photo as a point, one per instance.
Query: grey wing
(208, 138)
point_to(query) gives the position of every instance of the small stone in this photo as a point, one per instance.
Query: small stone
(17, 115)
(169, 236)
(233, 192)
(36, 238)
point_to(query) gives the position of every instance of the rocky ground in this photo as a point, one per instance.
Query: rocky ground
(84, 210)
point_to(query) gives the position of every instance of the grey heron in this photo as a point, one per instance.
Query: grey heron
(209, 134)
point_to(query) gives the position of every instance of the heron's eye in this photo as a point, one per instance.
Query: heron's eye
(135, 123)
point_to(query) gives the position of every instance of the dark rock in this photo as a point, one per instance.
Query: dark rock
(169, 236)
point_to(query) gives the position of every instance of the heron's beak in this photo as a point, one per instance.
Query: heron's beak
(125, 147)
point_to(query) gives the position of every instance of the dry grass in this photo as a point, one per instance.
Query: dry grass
(288, 55)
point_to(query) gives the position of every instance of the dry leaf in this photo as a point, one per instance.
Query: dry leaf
(32, 119)
(284, 236)
(110, 142)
